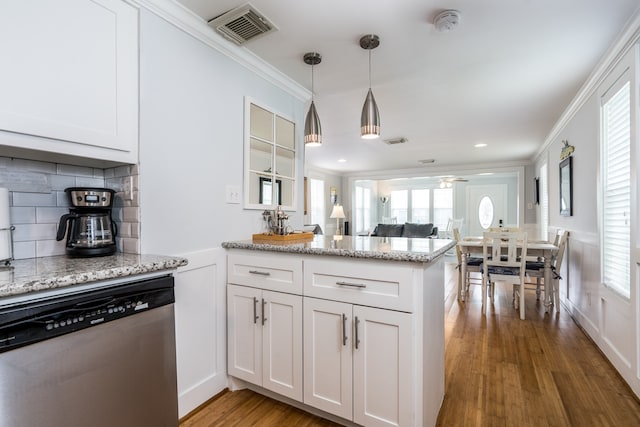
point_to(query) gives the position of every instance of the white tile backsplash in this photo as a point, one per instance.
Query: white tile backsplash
(50, 248)
(131, 214)
(89, 182)
(50, 215)
(74, 170)
(27, 232)
(22, 250)
(38, 201)
(34, 199)
(33, 166)
(23, 215)
(60, 182)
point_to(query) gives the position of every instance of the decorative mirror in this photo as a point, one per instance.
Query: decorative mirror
(566, 187)
(270, 156)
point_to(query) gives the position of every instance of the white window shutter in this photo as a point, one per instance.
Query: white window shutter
(616, 190)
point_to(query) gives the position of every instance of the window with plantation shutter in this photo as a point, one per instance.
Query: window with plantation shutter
(616, 187)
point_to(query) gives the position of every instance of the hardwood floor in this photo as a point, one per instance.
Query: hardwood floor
(500, 371)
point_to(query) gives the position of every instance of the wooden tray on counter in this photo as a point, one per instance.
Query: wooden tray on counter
(287, 238)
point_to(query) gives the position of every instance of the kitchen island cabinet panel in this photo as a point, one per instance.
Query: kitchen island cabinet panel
(372, 327)
(328, 356)
(245, 333)
(266, 271)
(383, 359)
(365, 282)
(265, 339)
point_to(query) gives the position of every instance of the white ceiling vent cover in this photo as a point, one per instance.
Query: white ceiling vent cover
(395, 141)
(242, 24)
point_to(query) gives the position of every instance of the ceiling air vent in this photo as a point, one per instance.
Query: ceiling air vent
(242, 24)
(394, 141)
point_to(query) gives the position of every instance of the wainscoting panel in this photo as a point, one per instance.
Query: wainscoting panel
(201, 328)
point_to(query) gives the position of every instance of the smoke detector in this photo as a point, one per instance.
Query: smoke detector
(242, 24)
(446, 21)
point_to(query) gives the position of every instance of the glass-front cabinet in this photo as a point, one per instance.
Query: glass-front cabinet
(270, 153)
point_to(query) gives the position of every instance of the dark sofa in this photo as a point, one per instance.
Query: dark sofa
(407, 229)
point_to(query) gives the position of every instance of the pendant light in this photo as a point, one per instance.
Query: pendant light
(370, 119)
(312, 129)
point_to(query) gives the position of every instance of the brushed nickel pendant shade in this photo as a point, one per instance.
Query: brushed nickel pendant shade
(312, 128)
(370, 119)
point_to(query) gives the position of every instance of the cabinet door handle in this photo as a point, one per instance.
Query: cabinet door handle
(260, 273)
(357, 340)
(255, 310)
(264, 319)
(351, 285)
(344, 329)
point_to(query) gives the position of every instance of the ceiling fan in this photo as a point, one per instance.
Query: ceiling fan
(447, 182)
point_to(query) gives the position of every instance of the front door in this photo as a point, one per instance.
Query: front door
(486, 207)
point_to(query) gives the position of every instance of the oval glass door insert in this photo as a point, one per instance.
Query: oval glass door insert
(485, 212)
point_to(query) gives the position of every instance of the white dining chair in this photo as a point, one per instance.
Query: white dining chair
(473, 265)
(535, 270)
(504, 260)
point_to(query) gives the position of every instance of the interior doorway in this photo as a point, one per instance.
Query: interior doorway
(486, 208)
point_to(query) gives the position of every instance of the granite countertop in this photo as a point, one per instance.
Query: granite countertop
(38, 274)
(384, 248)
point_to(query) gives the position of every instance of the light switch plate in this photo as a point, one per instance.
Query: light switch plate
(128, 188)
(233, 194)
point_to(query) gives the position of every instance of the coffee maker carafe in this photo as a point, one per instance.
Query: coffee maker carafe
(92, 232)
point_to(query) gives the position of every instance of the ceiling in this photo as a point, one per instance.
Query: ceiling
(502, 78)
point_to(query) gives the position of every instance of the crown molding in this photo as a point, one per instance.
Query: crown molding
(628, 37)
(187, 21)
(433, 171)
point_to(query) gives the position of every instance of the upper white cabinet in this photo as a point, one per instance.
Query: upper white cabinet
(69, 78)
(270, 158)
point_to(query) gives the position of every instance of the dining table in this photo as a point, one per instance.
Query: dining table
(535, 248)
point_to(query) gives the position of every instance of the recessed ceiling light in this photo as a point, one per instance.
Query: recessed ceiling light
(486, 173)
(342, 160)
(481, 145)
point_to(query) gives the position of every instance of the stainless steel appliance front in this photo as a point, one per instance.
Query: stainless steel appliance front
(119, 373)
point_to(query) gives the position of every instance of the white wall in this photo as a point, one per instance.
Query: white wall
(191, 140)
(610, 320)
(191, 148)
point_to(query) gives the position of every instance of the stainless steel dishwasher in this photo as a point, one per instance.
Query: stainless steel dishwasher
(97, 357)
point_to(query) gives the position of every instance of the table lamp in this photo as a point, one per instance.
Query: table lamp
(337, 213)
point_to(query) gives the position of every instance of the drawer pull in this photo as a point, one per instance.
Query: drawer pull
(351, 285)
(344, 329)
(255, 310)
(260, 273)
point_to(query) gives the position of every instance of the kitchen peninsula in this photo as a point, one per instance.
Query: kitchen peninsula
(348, 327)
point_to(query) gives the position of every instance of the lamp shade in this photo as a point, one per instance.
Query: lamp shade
(312, 128)
(337, 212)
(370, 119)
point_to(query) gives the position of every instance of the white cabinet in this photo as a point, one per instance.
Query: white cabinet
(383, 380)
(372, 333)
(357, 362)
(69, 79)
(328, 356)
(265, 339)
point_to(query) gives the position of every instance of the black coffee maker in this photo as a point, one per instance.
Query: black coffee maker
(92, 232)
